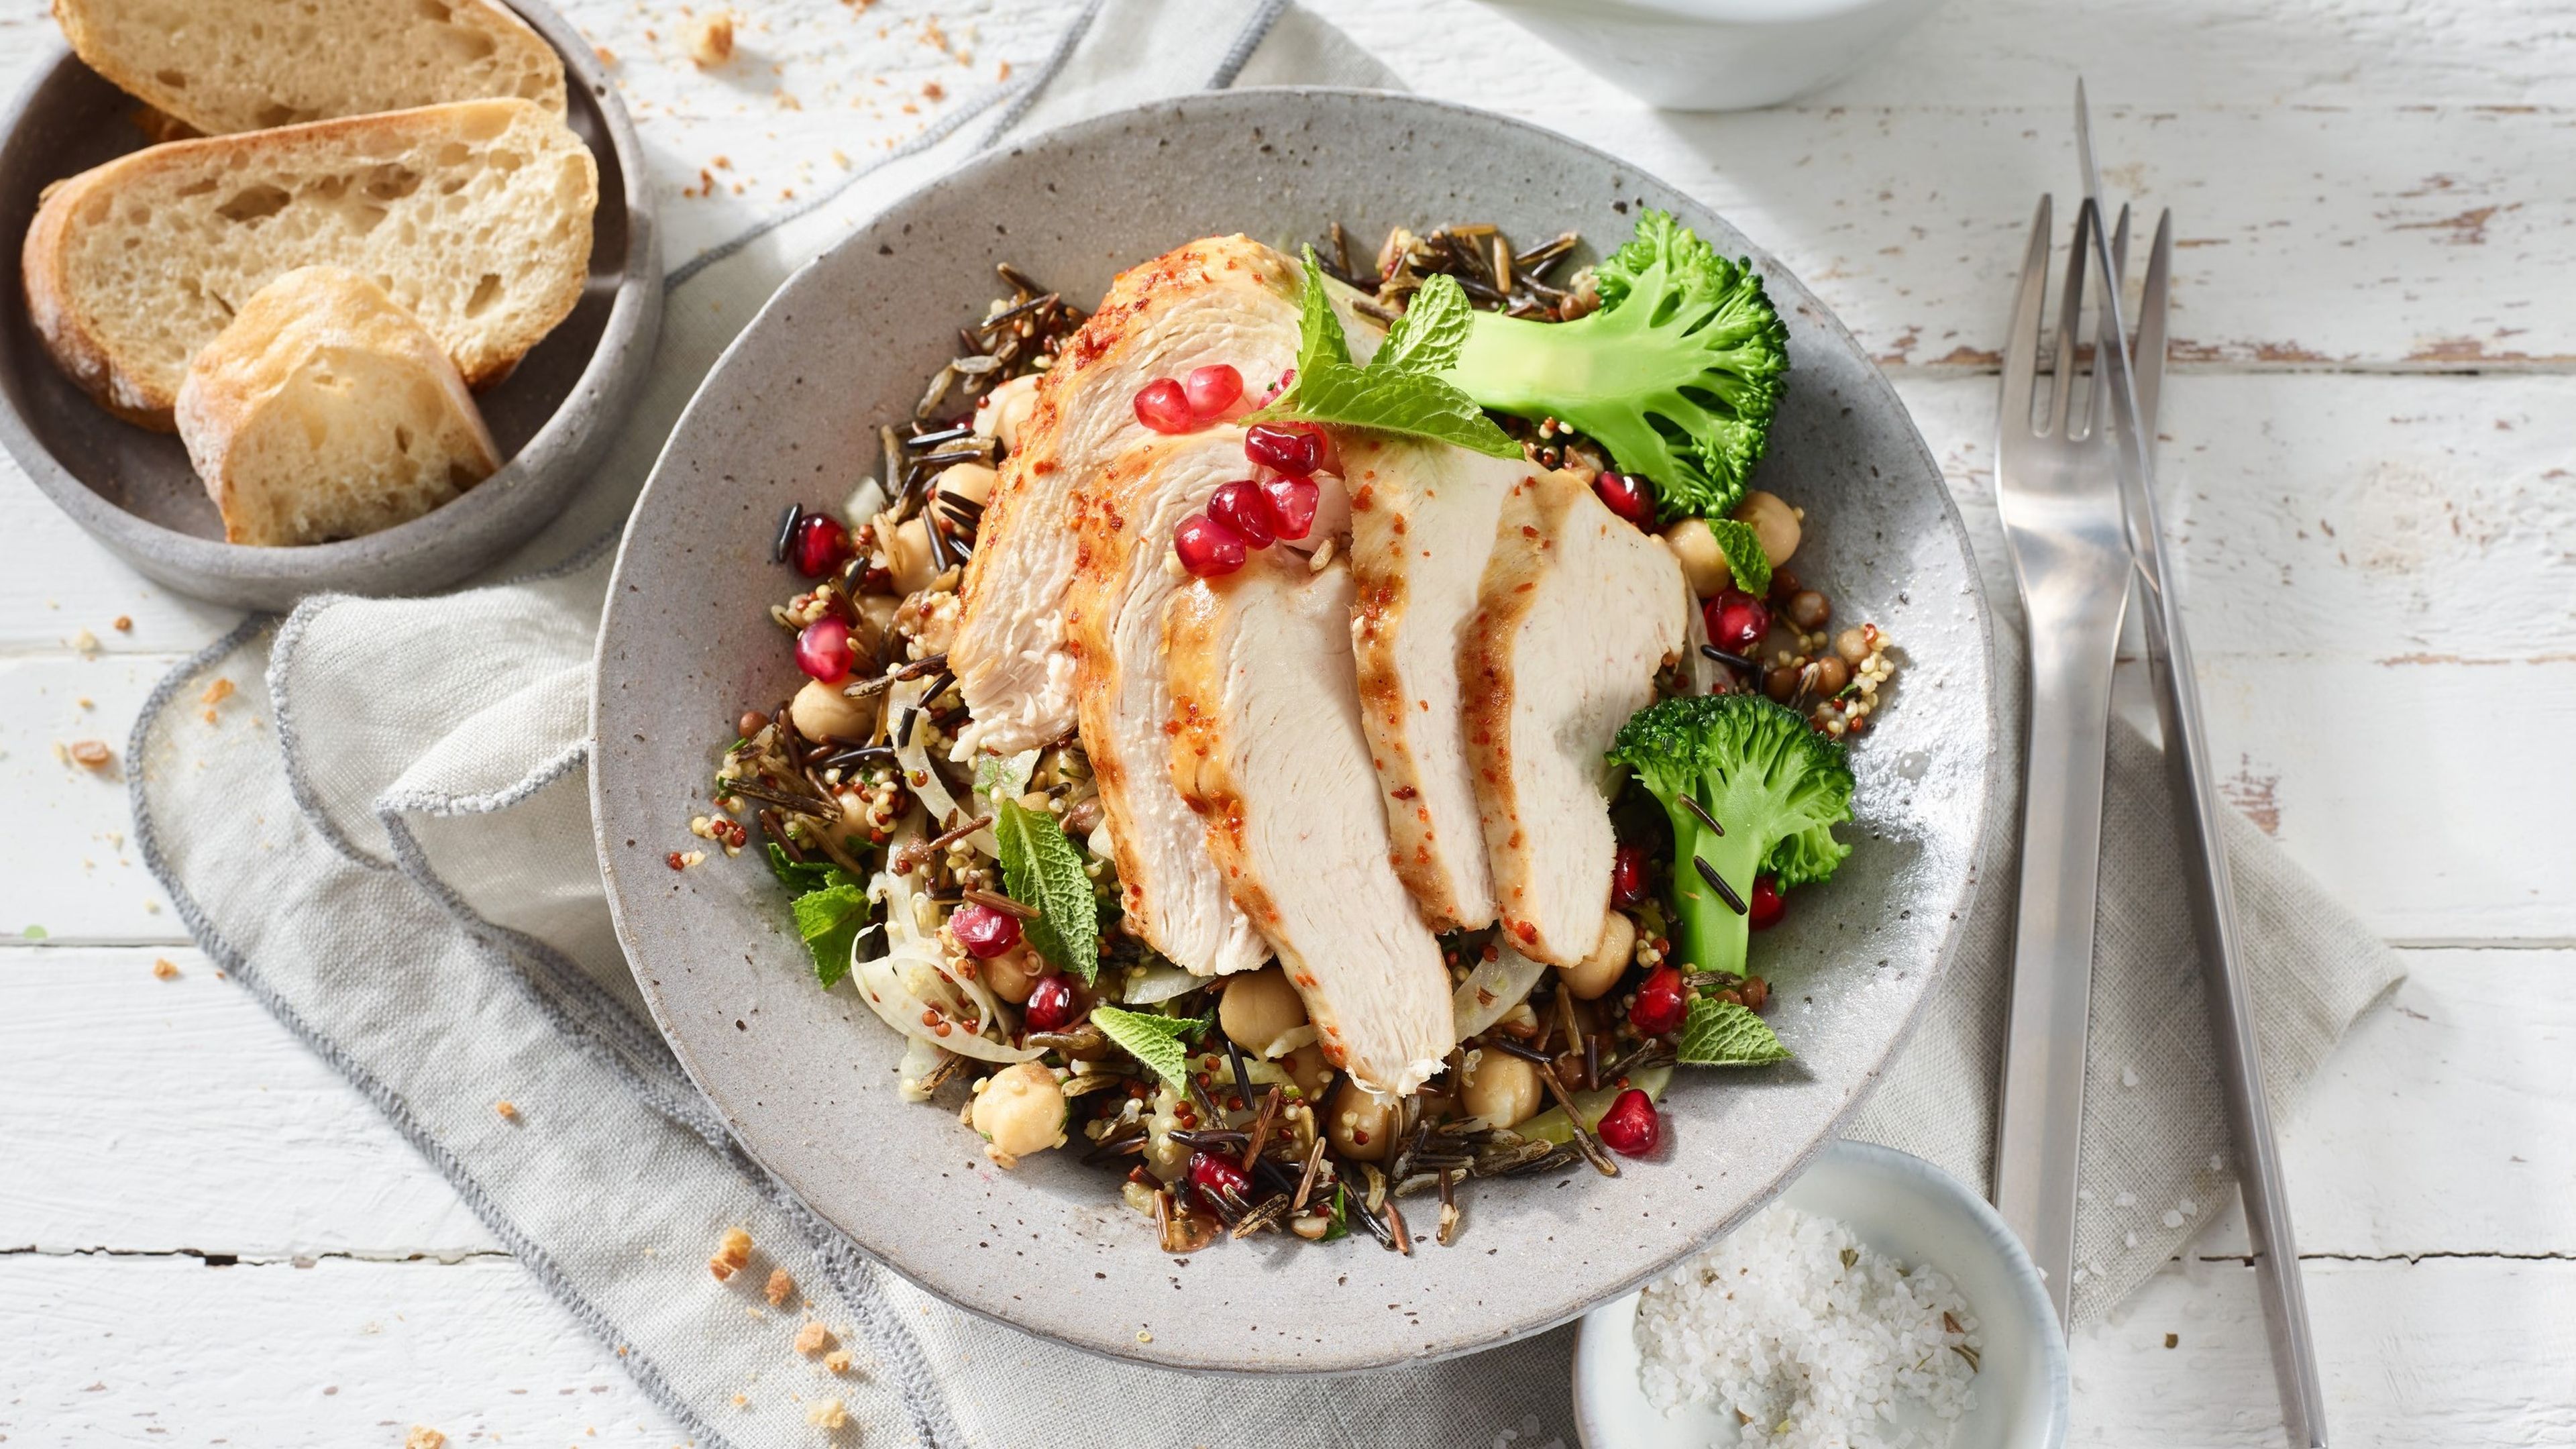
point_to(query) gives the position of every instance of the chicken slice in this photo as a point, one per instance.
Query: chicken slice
(1175, 895)
(1219, 300)
(1578, 610)
(1422, 527)
(1270, 754)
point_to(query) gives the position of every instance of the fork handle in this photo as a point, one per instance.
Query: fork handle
(2040, 1126)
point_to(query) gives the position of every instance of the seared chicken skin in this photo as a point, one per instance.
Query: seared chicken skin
(1578, 611)
(1174, 893)
(1423, 516)
(1270, 753)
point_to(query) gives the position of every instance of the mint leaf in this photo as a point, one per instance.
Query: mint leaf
(1428, 337)
(1319, 330)
(1153, 1040)
(1043, 870)
(1391, 401)
(830, 920)
(1744, 556)
(1005, 774)
(1724, 1034)
(808, 875)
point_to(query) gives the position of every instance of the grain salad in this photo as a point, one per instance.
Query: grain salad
(1201, 754)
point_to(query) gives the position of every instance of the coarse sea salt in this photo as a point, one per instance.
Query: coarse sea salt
(1813, 1339)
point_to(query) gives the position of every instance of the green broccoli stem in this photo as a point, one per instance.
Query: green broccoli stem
(1606, 374)
(1713, 935)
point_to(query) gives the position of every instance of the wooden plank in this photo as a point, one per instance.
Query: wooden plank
(2461, 1352)
(87, 884)
(159, 1351)
(112, 1078)
(66, 593)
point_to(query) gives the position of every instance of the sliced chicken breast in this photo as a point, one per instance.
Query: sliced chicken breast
(1174, 892)
(1270, 754)
(1423, 516)
(1578, 611)
(1223, 299)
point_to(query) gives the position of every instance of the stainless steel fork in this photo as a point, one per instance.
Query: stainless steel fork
(2057, 487)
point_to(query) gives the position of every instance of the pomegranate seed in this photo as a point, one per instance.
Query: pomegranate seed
(821, 544)
(1163, 406)
(1271, 393)
(1208, 549)
(1736, 621)
(1628, 876)
(1626, 494)
(1660, 1005)
(983, 931)
(1631, 1127)
(1217, 1178)
(823, 650)
(1764, 908)
(1213, 389)
(1292, 505)
(1296, 449)
(1052, 1004)
(1243, 508)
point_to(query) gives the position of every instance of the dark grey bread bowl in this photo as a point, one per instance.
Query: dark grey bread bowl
(805, 1076)
(132, 488)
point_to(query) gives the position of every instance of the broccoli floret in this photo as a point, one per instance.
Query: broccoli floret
(1677, 374)
(1806, 857)
(1775, 785)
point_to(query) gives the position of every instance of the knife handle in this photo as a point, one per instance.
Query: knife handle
(2041, 1123)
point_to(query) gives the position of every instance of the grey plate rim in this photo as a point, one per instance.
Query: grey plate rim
(495, 516)
(1985, 846)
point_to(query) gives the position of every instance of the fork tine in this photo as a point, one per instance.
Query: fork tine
(2021, 341)
(2061, 393)
(2099, 396)
(2149, 368)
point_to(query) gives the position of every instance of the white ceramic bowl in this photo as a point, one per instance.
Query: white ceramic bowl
(1904, 1207)
(1718, 55)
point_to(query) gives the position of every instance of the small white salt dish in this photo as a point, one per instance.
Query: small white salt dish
(1906, 1208)
(1718, 55)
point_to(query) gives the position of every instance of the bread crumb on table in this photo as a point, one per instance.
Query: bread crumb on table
(509, 1110)
(711, 44)
(424, 1437)
(838, 1360)
(166, 969)
(733, 1251)
(780, 1287)
(812, 1339)
(826, 1414)
(91, 754)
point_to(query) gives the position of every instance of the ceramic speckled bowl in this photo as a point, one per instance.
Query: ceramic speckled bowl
(806, 1077)
(132, 488)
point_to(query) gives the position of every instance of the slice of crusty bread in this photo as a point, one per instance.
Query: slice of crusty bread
(474, 216)
(326, 411)
(241, 65)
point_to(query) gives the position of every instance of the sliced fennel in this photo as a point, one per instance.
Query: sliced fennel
(1493, 988)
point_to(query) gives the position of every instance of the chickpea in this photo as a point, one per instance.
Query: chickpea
(1594, 975)
(971, 482)
(1259, 1007)
(1307, 1068)
(1019, 1111)
(1773, 522)
(1005, 411)
(1500, 1088)
(821, 709)
(1852, 645)
(1360, 1123)
(1831, 675)
(907, 552)
(1809, 610)
(1013, 974)
(1703, 562)
(876, 616)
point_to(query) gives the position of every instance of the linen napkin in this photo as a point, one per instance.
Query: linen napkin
(406, 879)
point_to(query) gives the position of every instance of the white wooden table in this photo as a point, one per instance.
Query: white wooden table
(206, 1238)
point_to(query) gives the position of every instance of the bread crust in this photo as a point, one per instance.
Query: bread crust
(78, 342)
(505, 29)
